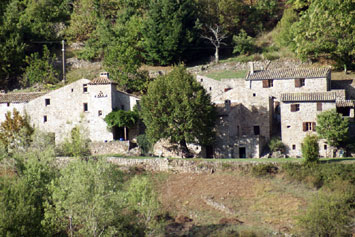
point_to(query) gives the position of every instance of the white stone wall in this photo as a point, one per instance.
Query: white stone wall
(288, 86)
(4, 108)
(124, 101)
(292, 125)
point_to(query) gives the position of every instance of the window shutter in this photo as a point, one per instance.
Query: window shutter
(265, 83)
(319, 106)
(304, 126)
(293, 107)
(313, 126)
(297, 82)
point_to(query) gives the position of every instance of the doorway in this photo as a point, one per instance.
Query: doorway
(242, 152)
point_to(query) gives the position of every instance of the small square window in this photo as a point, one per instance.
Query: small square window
(122, 107)
(47, 102)
(254, 94)
(256, 130)
(85, 88)
(72, 90)
(293, 147)
(210, 88)
(99, 112)
(325, 147)
(44, 118)
(295, 107)
(8, 104)
(201, 80)
(85, 107)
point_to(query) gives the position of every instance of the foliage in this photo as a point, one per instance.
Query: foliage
(168, 30)
(284, 35)
(276, 144)
(143, 143)
(15, 131)
(121, 118)
(332, 127)
(310, 149)
(39, 70)
(243, 43)
(264, 170)
(326, 29)
(143, 199)
(87, 200)
(178, 108)
(76, 145)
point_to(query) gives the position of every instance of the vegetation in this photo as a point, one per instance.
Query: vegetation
(310, 149)
(276, 144)
(178, 108)
(76, 145)
(332, 127)
(121, 118)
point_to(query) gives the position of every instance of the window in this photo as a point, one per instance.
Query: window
(325, 147)
(268, 83)
(44, 118)
(8, 104)
(254, 94)
(85, 88)
(309, 126)
(299, 82)
(256, 130)
(293, 147)
(295, 107)
(122, 107)
(201, 80)
(85, 107)
(210, 88)
(47, 102)
(99, 113)
(72, 90)
(319, 106)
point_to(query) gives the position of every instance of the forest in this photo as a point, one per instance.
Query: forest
(126, 34)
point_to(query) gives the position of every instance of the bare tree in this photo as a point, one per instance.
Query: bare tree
(216, 38)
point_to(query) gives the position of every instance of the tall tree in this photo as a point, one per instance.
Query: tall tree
(168, 30)
(177, 107)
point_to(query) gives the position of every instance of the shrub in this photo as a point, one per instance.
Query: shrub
(76, 145)
(244, 44)
(264, 169)
(276, 144)
(144, 143)
(310, 149)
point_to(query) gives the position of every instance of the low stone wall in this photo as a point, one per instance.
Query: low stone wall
(114, 147)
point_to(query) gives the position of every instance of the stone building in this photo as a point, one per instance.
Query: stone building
(82, 103)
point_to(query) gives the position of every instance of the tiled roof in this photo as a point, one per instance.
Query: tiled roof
(101, 81)
(345, 103)
(289, 73)
(19, 97)
(313, 96)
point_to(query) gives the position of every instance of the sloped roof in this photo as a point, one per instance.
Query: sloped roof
(19, 97)
(289, 73)
(313, 96)
(345, 103)
(101, 81)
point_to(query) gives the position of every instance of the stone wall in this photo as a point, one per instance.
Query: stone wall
(348, 85)
(112, 147)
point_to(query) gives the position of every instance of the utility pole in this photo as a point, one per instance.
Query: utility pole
(63, 60)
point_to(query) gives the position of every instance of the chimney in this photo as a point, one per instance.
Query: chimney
(104, 75)
(251, 65)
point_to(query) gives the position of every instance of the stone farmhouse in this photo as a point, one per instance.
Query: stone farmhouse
(82, 103)
(280, 102)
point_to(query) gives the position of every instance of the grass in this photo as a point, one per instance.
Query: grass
(88, 73)
(219, 75)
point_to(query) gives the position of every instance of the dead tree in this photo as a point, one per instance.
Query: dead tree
(216, 39)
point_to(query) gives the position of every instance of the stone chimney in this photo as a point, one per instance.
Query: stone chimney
(251, 65)
(104, 75)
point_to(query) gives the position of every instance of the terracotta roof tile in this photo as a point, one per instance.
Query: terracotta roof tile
(345, 103)
(289, 73)
(313, 96)
(101, 81)
(19, 97)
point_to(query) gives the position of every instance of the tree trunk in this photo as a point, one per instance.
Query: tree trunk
(185, 153)
(216, 55)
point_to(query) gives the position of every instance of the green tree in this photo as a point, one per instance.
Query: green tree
(327, 29)
(77, 144)
(177, 107)
(244, 44)
(332, 127)
(87, 200)
(15, 131)
(39, 70)
(310, 149)
(168, 30)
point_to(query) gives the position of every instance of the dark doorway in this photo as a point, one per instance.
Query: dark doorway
(209, 151)
(118, 133)
(242, 152)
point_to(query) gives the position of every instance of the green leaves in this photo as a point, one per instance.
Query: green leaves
(121, 118)
(178, 108)
(332, 127)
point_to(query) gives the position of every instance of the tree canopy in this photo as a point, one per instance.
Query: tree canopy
(177, 107)
(332, 127)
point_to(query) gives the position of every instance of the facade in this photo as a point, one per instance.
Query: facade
(82, 103)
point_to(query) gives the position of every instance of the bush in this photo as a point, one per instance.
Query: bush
(264, 169)
(144, 144)
(76, 145)
(276, 144)
(244, 44)
(310, 149)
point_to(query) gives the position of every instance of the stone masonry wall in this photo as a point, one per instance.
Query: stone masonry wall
(113, 147)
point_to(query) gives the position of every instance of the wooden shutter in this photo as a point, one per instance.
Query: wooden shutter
(313, 126)
(265, 84)
(293, 107)
(297, 82)
(319, 106)
(304, 126)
